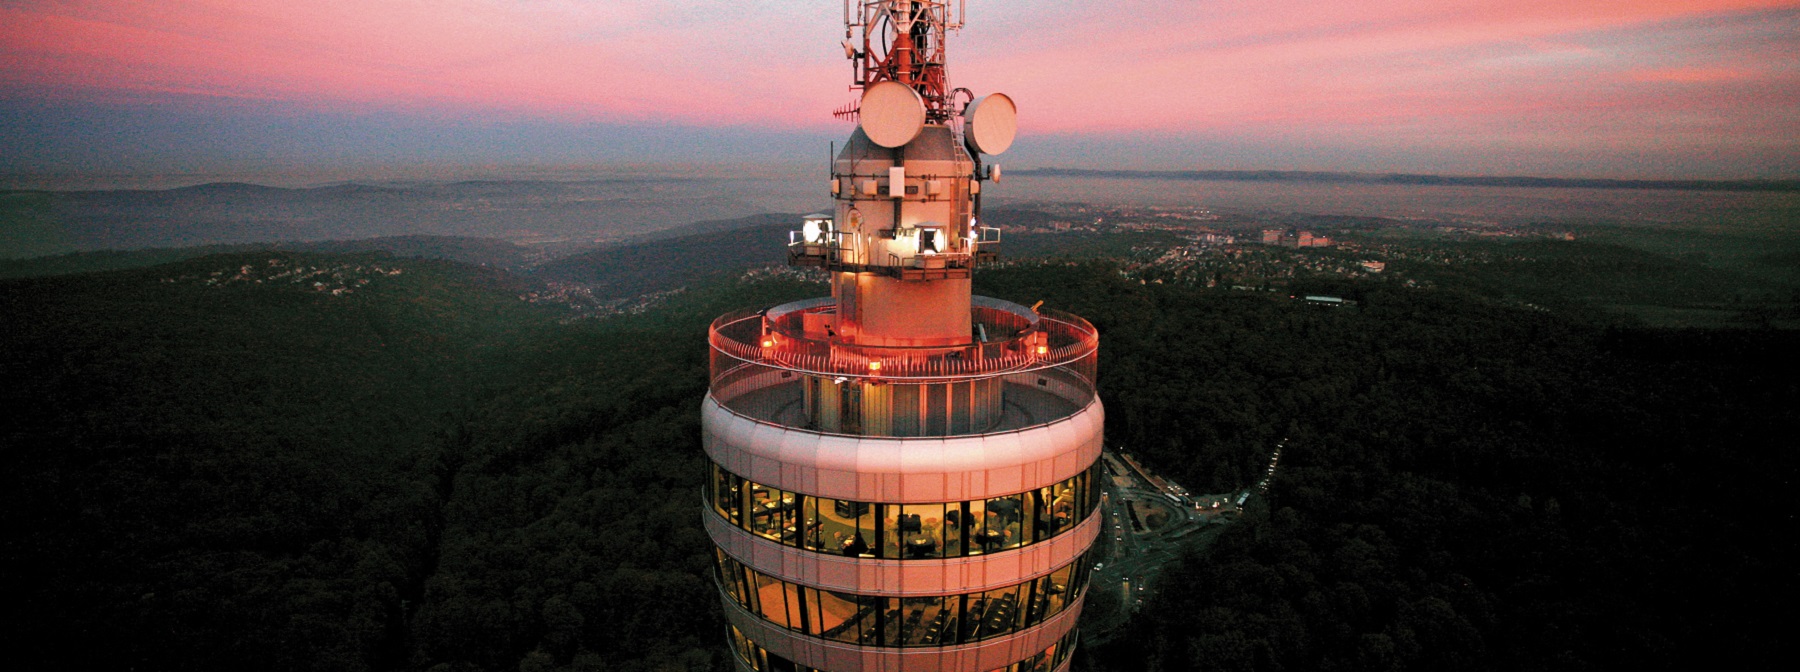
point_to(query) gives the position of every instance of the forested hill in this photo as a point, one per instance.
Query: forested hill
(674, 262)
(1465, 486)
(469, 250)
(286, 461)
(41, 223)
(302, 461)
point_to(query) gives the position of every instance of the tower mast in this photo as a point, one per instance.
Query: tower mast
(903, 475)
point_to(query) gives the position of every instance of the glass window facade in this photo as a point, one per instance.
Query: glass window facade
(875, 620)
(903, 531)
(762, 661)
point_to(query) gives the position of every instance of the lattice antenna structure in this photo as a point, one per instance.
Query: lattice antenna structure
(901, 41)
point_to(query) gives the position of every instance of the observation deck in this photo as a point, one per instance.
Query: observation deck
(839, 251)
(1021, 368)
(879, 507)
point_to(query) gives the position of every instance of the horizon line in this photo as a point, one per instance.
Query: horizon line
(420, 175)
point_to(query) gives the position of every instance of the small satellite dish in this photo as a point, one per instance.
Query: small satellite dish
(990, 123)
(893, 114)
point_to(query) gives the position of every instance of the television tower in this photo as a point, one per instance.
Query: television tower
(903, 476)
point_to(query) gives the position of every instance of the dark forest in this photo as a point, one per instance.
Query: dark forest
(423, 472)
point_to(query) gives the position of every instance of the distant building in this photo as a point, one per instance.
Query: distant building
(1271, 236)
(1374, 266)
(1327, 300)
(1309, 239)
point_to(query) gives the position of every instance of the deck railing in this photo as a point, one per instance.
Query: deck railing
(1019, 340)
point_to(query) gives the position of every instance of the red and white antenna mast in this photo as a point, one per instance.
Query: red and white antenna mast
(902, 41)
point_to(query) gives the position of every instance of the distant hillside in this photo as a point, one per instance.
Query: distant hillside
(651, 262)
(466, 249)
(38, 223)
(475, 251)
(109, 260)
(792, 222)
(1415, 179)
(639, 268)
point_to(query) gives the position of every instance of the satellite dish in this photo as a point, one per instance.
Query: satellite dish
(990, 123)
(892, 114)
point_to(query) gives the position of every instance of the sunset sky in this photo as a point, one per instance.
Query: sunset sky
(1624, 88)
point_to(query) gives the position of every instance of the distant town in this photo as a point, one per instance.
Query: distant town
(332, 279)
(1258, 253)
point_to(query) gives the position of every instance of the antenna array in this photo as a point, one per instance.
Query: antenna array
(902, 41)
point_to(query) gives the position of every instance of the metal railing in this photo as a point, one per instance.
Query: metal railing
(1019, 340)
(833, 250)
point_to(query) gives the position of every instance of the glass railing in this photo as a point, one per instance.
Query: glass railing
(1018, 340)
(1021, 369)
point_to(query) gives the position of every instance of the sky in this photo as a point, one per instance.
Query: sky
(1622, 88)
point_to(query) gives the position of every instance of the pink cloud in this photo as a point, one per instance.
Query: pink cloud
(1691, 75)
(608, 61)
(1218, 65)
(1504, 70)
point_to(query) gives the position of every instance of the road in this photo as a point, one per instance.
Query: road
(1129, 558)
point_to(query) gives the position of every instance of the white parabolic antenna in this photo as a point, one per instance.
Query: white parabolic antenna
(990, 123)
(893, 114)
